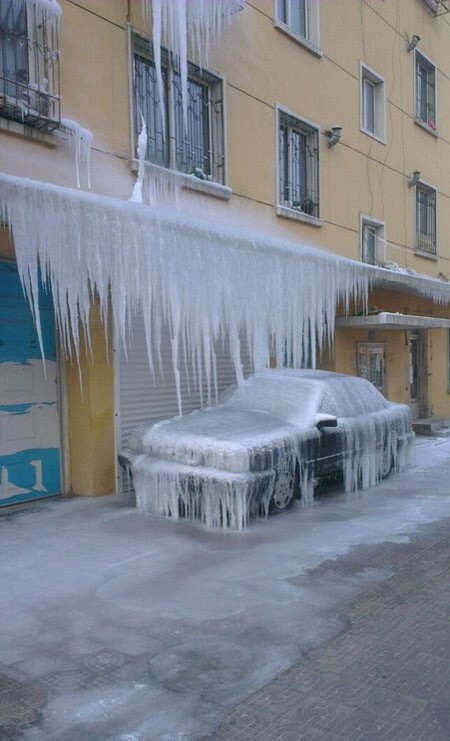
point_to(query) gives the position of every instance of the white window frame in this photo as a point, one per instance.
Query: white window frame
(311, 41)
(283, 208)
(420, 57)
(366, 74)
(380, 238)
(431, 254)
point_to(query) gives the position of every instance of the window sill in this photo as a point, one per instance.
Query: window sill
(425, 127)
(380, 139)
(427, 255)
(29, 132)
(189, 182)
(291, 213)
(301, 40)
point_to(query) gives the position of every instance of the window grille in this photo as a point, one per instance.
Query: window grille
(426, 220)
(29, 65)
(425, 91)
(298, 150)
(192, 147)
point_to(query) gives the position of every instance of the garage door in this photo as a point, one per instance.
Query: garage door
(29, 419)
(140, 399)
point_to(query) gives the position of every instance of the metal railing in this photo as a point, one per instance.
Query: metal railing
(29, 65)
(426, 221)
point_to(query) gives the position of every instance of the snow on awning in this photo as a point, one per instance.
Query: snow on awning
(390, 320)
(207, 282)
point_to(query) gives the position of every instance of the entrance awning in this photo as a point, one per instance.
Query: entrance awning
(390, 320)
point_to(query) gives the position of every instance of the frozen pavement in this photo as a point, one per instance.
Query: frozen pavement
(117, 626)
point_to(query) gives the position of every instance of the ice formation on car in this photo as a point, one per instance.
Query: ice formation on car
(220, 466)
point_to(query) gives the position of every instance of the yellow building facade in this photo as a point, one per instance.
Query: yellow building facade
(324, 122)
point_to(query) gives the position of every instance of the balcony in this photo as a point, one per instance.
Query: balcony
(29, 65)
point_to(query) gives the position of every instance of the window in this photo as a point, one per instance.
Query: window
(373, 118)
(196, 148)
(298, 165)
(29, 70)
(373, 241)
(425, 219)
(425, 92)
(299, 18)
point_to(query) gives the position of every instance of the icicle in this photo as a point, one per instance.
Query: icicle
(141, 152)
(162, 186)
(204, 281)
(50, 7)
(183, 26)
(81, 141)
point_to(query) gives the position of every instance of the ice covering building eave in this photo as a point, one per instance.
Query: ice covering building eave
(204, 281)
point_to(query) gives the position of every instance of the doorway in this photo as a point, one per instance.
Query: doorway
(418, 374)
(372, 364)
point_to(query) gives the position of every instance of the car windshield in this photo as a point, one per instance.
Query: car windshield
(278, 393)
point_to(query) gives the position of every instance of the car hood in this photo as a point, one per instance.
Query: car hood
(225, 438)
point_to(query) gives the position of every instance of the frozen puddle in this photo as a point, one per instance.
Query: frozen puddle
(139, 628)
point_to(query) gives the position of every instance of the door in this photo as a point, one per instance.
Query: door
(29, 419)
(372, 364)
(418, 374)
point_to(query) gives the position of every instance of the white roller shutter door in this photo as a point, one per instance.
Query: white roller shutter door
(142, 399)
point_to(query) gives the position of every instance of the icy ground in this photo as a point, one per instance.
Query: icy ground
(141, 628)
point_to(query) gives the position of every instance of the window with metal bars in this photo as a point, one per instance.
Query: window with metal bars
(426, 219)
(298, 165)
(425, 91)
(194, 146)
(29, 65)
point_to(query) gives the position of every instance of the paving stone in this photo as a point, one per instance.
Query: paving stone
(386, 676)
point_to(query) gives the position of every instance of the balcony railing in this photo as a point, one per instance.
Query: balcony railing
(29, 65)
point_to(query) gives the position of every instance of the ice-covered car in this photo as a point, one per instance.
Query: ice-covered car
(267, 442)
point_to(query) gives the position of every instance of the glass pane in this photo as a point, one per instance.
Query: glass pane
(148, 104)
(192, 138)
(282, 10)
(283, 167)
(369, 244)
(298, 16)
(369, 105)
(298, 142)
(13, 49)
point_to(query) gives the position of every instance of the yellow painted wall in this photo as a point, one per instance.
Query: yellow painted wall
(91, 416)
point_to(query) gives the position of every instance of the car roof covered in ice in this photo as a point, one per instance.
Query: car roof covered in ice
(295, 394)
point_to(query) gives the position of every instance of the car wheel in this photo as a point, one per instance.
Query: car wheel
(284, 491)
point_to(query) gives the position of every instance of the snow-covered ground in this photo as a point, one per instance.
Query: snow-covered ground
(142, 628)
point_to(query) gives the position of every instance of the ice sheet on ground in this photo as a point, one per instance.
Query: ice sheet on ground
(150, 629)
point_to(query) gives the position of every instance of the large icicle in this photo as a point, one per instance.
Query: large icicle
(203, 281)
(183, 26)
(141, 151)
(80, 140)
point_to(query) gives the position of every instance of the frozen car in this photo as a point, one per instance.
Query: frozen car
(266, 443)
